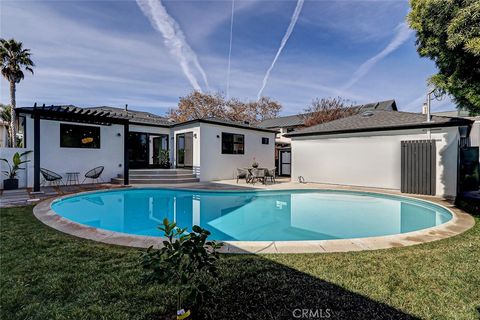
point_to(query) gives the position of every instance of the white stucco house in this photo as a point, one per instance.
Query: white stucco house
(367, 150)
(288, 124)
(130, 145)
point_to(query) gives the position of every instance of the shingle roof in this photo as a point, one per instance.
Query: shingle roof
(141, 117)
(225, 122)
(298, 119)
(377, 120)
(138, 117)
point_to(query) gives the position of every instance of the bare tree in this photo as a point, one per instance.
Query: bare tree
(328, 109)
(199, 105)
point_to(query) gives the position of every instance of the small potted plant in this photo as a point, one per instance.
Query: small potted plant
(164, 159)
(11, 183)
(255, 163)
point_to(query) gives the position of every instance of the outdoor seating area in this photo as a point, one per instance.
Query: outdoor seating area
(254, 174)
(51, 178)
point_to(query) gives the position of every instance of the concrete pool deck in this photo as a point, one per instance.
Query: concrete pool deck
(460, 222)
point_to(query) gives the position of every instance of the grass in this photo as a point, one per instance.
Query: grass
(45, 274)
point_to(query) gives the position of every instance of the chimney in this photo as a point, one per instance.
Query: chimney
(126, 107)
(424, 108)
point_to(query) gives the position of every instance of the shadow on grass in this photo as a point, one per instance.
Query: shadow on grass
(254, 287)
(45, 274)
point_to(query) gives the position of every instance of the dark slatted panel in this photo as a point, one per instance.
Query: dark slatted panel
(418, 167)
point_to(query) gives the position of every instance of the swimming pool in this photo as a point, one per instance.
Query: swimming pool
(254, 215)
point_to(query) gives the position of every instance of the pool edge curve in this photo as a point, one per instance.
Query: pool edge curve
(459, 223)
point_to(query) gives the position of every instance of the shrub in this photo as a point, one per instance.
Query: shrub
(186, 260)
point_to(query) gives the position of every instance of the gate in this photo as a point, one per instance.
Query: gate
(469, 171)
(418, 173)
(285, 162)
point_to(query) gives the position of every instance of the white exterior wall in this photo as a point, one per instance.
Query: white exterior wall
(62, 160)
(475, 134)
(280, 138)
(148, 129)
(371, 159)
(218, 166)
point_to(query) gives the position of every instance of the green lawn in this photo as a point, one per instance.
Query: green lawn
(45, 274)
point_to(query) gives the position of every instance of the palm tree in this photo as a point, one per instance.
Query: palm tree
(14, 60)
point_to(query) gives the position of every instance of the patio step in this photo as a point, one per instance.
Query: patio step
(159, 176)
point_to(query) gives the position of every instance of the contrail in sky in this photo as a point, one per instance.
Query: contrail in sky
(230, 50)
(174, 39)
(293, 21)
(402, 35)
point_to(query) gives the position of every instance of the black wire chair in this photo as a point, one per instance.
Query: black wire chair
(94, 174)
(50, 177)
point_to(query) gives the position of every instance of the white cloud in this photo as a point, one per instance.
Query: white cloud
(293, 21)
(174, 39)
(403, 32)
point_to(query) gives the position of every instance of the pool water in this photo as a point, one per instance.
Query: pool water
(254, 215)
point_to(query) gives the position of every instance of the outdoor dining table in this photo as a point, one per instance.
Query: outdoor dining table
(250, 179)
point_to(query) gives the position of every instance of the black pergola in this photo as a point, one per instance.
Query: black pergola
(73, 114)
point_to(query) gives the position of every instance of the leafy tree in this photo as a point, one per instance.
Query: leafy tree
(328, 109)
(448, 32)
(199, 105)
(14, 59)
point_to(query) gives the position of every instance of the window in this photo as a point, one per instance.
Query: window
(233, 143)
(265, 141)
(76, 136)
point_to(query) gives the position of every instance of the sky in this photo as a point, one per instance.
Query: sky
(148, 53)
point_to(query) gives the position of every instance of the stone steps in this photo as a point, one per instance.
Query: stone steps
(159, 176)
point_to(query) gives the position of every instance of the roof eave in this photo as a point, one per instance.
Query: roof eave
(223, 124)
(376, 129)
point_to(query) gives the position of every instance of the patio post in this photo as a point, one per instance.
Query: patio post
(36, 150)
(125, 154)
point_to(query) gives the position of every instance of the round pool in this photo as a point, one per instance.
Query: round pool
(254, 215)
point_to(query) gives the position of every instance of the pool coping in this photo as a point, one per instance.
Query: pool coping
(460, 222)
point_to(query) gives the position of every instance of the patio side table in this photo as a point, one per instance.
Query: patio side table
(72, 178)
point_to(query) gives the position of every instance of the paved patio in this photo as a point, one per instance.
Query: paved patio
(22, 197)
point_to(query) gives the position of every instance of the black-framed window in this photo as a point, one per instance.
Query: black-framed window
(265, 140)
(233, 143)
(79, 136)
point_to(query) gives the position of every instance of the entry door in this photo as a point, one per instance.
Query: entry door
(285, 162)
(180, 150)
(185, 149)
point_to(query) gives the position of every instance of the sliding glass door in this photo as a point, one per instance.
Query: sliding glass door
(138, 150)
(147, 150)
(185, 149)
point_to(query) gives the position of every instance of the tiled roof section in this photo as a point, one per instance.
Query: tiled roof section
(379, 120)
(136, 116)
(225, 122)
(298, 119)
